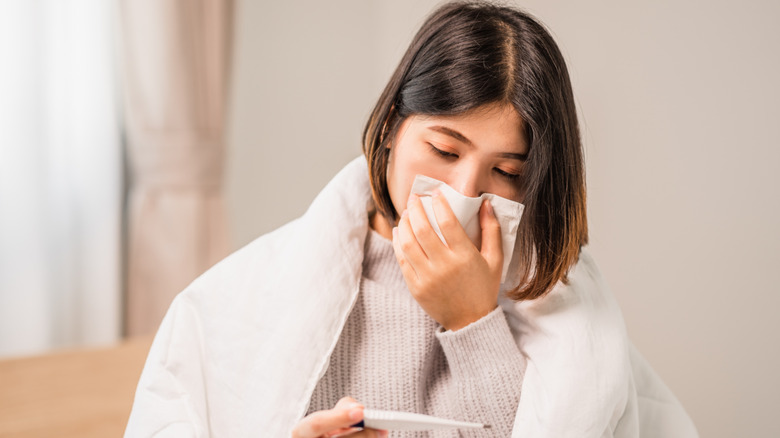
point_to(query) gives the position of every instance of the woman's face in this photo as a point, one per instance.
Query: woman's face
(481, 151)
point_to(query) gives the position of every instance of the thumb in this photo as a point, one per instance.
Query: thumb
(492, 249)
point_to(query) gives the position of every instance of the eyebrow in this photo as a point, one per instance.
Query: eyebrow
(462, 138)
(452, 133)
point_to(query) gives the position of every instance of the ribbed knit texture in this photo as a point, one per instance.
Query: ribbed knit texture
(391, 355)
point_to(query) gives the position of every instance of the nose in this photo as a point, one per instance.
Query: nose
(466, 180)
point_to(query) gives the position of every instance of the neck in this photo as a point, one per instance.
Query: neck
(379, 224)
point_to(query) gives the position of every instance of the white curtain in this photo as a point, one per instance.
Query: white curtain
(60, 176)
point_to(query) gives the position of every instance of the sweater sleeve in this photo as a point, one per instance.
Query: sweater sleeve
(487, 367)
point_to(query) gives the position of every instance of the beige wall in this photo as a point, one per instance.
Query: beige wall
(679, 109)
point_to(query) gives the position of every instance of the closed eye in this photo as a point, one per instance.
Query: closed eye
(442, 153)
(505, 174)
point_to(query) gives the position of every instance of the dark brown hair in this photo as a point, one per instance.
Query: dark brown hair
(469, 54)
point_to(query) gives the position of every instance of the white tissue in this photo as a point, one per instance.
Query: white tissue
(466, 209)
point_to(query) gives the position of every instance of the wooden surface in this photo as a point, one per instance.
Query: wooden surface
(83, 393)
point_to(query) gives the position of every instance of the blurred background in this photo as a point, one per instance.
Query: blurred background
(141, 141)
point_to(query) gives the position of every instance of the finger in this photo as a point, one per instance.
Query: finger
(492, 246)
(449, 225)
(371, 433)
(344, 403)
(354, 432)
(406, 268)
(409, 245)
(324, 422)
(346, 431)
(426, 236)
(351, 431)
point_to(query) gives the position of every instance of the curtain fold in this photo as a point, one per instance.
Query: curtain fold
(176, 56)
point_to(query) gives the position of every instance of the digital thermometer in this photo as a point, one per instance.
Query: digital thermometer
(391, 420)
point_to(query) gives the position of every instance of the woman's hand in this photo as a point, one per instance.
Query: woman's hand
(456, 284)
(335, 422)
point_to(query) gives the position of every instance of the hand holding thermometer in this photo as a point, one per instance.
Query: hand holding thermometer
(390, 420)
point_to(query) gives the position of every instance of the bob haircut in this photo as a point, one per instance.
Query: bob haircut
(470, 54)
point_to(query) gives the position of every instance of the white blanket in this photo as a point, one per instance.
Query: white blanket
(241, 349)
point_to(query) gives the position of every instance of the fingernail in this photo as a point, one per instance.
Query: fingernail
(489, 207)
(404, 214)
(356, 414)
(410, 199)
(395, 233)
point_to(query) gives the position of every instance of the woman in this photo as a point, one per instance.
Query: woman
(360, 297)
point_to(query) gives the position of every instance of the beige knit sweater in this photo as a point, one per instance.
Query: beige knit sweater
(393, 356)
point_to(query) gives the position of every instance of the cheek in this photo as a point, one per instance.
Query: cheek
(394, 178)
(510, 191)
(400, 177)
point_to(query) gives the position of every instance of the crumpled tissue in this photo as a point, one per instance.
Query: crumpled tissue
(466, 209)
